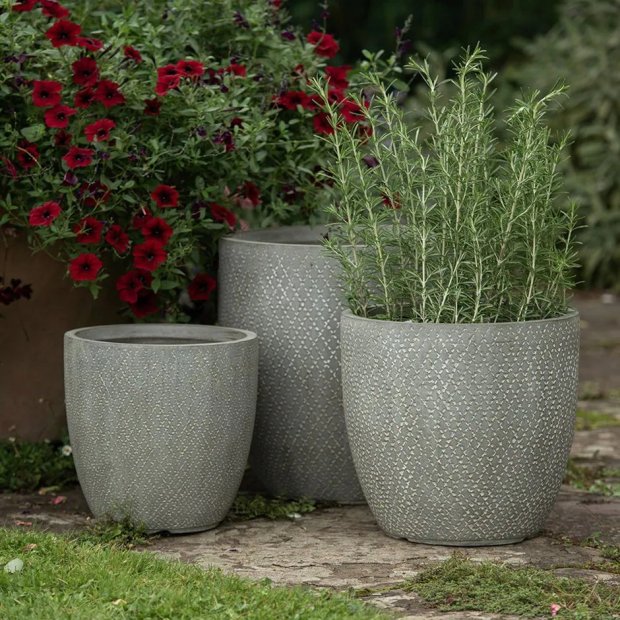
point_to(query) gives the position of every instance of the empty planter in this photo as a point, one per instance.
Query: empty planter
(160, 420)
(279, 283)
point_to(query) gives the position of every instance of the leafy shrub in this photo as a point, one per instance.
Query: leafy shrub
(449, 227)
(583, 50)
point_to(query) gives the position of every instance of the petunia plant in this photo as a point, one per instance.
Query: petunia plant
(128, 153)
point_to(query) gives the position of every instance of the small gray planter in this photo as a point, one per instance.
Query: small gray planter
(279, 283)
(160, 420)
(460, 432)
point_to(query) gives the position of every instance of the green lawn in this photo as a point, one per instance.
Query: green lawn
(73, 580)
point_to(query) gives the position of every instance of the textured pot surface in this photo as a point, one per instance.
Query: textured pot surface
(460, 433)
(160, 420)
(279, 283)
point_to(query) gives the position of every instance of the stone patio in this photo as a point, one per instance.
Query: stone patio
(342, 548)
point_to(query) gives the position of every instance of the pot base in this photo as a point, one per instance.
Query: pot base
(467, 543)
(187, 530)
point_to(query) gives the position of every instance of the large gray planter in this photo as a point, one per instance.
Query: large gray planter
(160, 420)
(279, 283)
(460, 432)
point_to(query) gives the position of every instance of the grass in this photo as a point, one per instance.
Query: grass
(593, 420)
(460, 584)
(595, 479)
(65, 578)
(253, 506)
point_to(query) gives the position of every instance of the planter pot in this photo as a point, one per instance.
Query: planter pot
(160, 420)
(279, 283)
(460, 432)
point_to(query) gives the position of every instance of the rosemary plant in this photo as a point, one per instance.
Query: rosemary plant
(450, 227)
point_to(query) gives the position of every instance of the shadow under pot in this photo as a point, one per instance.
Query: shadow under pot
(279, 283)
(160, 420)
(460, 433)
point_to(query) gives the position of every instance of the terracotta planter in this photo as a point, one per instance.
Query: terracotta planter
(31, 341)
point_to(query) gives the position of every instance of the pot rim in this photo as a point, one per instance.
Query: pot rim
(572, 313)
(121, 329)
(255, 237)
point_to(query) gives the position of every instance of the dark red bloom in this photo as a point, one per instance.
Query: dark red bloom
(62, 139)
(236, 122)
(166, 84)
(108, 94)
(290, 99)
(248, 195)
(132, 53)
(190, 68)
(149, 255)
(236, 69)
(58, 116)
(337, 76)
(85, 72)
(324, 44)
(99, 131)
(225, 138)
(93, 194)
(90, 44)
(64, 32)
(46, 93)
(276, 4)
(131, 283)
(140, 218)
(165, 196)
(84, 98)
(391, 203)
(9, 167)
(157, 229)
(351, 111)
(222, 214)
(85, 267)
(88, 230)
(78, 157)
(201, 287)
(27, 155)
(51, 8)
(44, 214)
(145, 305)
(22, 6)
(152, 106)
(117, 238)
(168, 71)
(322, 124)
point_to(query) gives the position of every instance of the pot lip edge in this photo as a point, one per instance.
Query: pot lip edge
(73, 334)
(237, 237)
(572, 313)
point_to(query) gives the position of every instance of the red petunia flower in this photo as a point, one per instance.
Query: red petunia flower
(322, 124)
(85, 267)
(84, 98)
(46, 93)
(324, 44)
(236, 69)
(88, 230)
(90, 44)
(222, 214)
(132, 53)
(145, 305)
(168, 71)
(157, 229)
(190, 68)
(152, 106)
(166, 84)
(78, 157)
(22, 6)
(117, 238)
(62, 139)
(27, 155)
(351, 111)
(64, 32)
(99, 131)
(201, 287)
(290, 99)
(337, 76)
(140, 218)
(108, 94)
(93, 194)
(149, 255)
(58, 116)
(131, 283)
(51, 8)
(9, 167)
(236, 122)
(165, 196)
(44, 214)
(391, 203)
(85, 72)
(248, 195)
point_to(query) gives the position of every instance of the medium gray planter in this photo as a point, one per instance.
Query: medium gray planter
(160, 420)
(279, 283)
(460, 432)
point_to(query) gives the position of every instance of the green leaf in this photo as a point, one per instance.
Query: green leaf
(33, 133)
